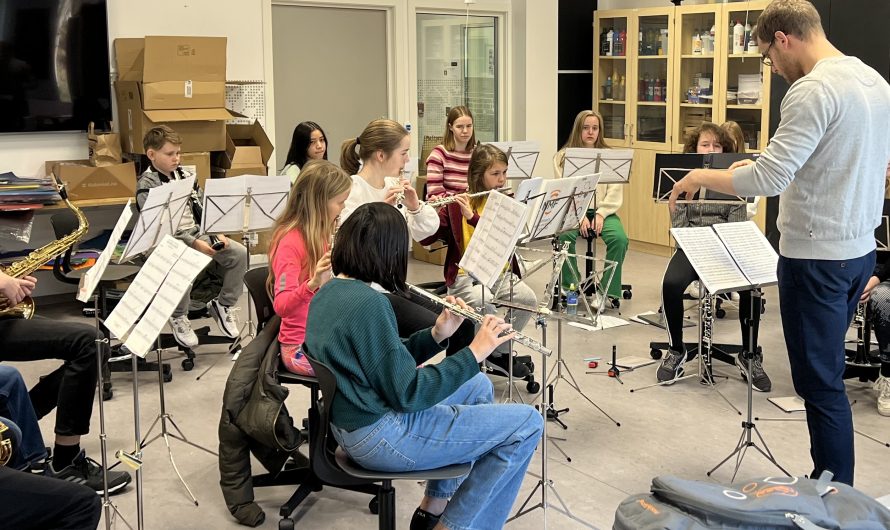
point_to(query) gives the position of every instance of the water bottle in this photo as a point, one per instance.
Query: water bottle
(572, 301)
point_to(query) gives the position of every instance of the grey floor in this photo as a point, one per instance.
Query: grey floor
(683, 430)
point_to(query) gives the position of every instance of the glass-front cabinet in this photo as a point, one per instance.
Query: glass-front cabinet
(699, 30)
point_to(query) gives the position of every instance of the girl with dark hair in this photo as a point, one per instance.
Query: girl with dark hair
(447, 163)
(457, 221)
(390, 415)
(309, 142)
(300, 253)
(602, 220)
(706, 138)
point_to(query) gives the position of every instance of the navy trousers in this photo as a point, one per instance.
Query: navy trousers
(818, 300)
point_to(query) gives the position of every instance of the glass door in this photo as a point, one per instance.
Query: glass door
(457, 64)
(699, 29)
(650, 127)
(611, 76)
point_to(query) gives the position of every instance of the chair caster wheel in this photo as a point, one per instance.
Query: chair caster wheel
(374, 506)
(533, 387)
(188, 364)
(286, 524)
(615, 303)
(720, 313)
(168, 374)
(627, 294)
(655, 354)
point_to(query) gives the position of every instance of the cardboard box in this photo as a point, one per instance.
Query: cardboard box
(248, 150)
(201, 129)
(175, 72)
(198, 164)
(436, 257)
(84, 181)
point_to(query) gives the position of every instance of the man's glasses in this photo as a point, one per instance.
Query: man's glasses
(765, 57)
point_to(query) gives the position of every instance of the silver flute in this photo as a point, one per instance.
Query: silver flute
(334, 233)
(444, 201)
(528, 342)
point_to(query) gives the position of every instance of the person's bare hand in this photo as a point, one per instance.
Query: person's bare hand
(489, 336)
(203, 247)
(869, 287)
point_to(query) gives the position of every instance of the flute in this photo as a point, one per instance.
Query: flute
(528, 342)
(444, 201)
(334, 233)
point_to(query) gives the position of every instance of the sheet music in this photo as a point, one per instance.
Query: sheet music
(161, 213)
(556, 211)
(751, 251)
(494, 238)
(186, 266)
(523, 157)
(716, 269)
(140, 293)
(91, 278)
(613, 164)
(225, 199)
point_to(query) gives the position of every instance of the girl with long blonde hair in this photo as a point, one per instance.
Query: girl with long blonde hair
(300, 252)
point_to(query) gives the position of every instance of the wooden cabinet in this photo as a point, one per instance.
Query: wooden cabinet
(674, 68)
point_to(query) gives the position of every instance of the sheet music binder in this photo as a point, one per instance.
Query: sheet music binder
(729, 256)
(670, 168)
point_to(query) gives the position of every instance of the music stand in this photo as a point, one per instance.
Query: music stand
(522, 156)
(245, 204)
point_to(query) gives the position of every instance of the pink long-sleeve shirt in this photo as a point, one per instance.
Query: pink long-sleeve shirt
(291, 288)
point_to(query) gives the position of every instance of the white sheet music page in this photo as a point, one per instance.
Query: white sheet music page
(146, 233)
(710, 259)
(140, 293)
(751, 251)
(223, 205)
(90, 279)
(584, 189)
(494, 238)
(268, 199)
(523, 157)
(186, 263)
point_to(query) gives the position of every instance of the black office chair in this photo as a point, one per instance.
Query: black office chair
(255, 280)
(63, 223)
(863, 360)
(335, 467)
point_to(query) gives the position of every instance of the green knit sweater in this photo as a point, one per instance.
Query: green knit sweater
(352, 328)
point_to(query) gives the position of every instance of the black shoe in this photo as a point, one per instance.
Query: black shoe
(671, 367)
(88, 472)
(760, 381)
(520, 370)
(423, 520)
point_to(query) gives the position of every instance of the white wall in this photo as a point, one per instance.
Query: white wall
(537, 104)
(239, 20)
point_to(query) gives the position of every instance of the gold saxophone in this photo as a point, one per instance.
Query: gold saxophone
(37, 257)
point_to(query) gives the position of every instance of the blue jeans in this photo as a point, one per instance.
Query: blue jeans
(466, 427)
(16, 406)
(818, 301)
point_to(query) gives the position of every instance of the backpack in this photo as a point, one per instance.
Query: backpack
(764, 503)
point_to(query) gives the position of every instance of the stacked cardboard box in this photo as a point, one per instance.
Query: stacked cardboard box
(248, 150)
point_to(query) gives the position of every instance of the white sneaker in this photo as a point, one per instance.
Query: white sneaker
(224, 317)
(882, 387)
(692, 290)
(182, 331)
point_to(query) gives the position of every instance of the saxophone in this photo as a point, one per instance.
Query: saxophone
(37, 257)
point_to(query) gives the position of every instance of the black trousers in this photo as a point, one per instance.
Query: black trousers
(677, 277)
(415, 313)
(30, 501)
(72, 386)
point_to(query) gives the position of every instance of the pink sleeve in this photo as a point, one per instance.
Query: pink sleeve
(435, 169)
(291, 287)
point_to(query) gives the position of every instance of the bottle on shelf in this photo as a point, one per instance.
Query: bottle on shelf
(696, 42)
(747, 35)
(713, 35)
(616, 43)
(663, 40)
(656, 90)
(607, 88)
(642, 47)
(738, 38)
(621, 89)
(604, 45)
(622, 43)
(707, 43)
(572, 300)
(650, 88)
(610, 39)
(641, 90)
(664, 93)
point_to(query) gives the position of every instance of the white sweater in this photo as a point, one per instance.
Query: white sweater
(421, 225)
(827, 159)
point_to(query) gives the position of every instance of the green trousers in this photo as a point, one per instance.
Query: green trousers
(615, 238)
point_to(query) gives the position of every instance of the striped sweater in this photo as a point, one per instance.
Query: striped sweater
(446, 171)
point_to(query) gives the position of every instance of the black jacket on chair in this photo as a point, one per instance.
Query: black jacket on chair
(254, 420)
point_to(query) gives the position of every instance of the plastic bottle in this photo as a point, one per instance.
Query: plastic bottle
(607, 90)
(663, 40)
(747, 35)
(650, 88)
(604, 45)
(610, 39)
(664, 91)
(621, 89)
(707, 43)
(641, 44)
(656, 90)
(622, 43)
(572, 301)
(696, 43)
(713, 37)
(738, 38)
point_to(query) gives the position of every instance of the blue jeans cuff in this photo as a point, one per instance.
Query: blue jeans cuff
(439, 494)
(451, 525)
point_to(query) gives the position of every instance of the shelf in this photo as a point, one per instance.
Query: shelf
(612, 101)
(745, 56)
(642, 57)
(91, 203)
(653, 103)
(612, 56)
(702, 105)
(750, 107)
(697, 56)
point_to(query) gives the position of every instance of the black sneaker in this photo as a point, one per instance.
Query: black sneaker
(759, 380)
(671, 367)
(423, 520)
(88, 472)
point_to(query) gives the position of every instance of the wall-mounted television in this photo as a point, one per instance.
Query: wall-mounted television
(54, 73)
